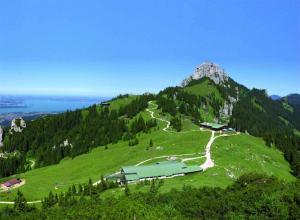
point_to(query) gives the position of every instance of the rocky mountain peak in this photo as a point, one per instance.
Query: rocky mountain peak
(17, 125)
(210, 70)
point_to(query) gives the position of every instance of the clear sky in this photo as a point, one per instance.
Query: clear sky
(97, 47)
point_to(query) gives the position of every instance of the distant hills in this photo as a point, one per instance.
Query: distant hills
(293, 99)
(275, 97)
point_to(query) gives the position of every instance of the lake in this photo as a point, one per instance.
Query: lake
(44, 104)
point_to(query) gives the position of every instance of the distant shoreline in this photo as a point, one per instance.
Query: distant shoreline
(13, 106)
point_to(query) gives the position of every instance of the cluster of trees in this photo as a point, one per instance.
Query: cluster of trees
(176, 123)
(174, 101)
(86, 190)
(260, 116)
(11, 165)
(140, 125)
(252, 196)
(136, 106)
(134, 141)
(51, 138)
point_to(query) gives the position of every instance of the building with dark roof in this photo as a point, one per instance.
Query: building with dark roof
(11, 182)
(107, 104)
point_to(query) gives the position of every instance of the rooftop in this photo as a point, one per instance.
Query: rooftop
(213, 125)
(165, 168)
(11, 182)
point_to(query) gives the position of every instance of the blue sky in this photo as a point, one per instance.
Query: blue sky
(95, 47)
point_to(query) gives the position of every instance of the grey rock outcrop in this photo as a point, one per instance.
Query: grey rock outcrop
(17, 125)
(210, 70)
(226, 110)
(1, 136)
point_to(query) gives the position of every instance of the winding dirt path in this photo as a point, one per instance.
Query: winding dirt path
(166, 121)
(32, 163)
(12, 203)
(209, 163)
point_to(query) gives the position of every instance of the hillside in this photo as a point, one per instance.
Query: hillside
(225, 101)
(144, 129)
(293, 99)
(233, 156)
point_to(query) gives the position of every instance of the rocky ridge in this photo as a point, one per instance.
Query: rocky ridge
(210, 70)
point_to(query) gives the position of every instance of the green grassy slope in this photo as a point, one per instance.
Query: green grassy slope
(102, 162)
(117, 103)
(203, 89)
(233, 156)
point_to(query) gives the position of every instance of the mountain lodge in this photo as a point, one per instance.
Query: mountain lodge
(165, 169)
(213, 126)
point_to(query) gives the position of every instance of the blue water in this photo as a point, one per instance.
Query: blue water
(47, 104)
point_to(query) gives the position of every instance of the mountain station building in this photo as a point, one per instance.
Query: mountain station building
(160, 170)
(213, 126)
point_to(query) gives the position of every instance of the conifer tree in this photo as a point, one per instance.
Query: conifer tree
(151, 143)
(127, 190)
(20, 202)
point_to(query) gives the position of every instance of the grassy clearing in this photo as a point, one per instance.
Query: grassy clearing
(116, 104)
(203, 89)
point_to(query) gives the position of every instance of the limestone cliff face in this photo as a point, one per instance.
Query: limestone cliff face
(17, 125)
(210, 70)
(1, 136)
(226, 110)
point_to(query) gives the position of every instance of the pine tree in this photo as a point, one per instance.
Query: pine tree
(74, 192)
(160, 182)
(153, 188)
(80, 189)
(151, 143)
(127, 190)
(20, 202)
(103, 183)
